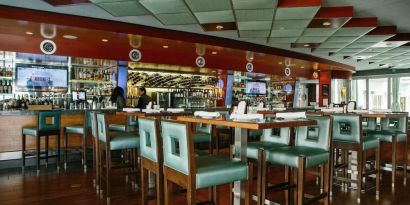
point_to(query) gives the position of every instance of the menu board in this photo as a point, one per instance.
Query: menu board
(41, 78)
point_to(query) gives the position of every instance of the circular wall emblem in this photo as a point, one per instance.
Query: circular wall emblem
(287, 71)
(135, 55)
(249, 67)
(48, 47)
(200, 61)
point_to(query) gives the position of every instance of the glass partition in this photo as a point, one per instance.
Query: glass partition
(378, 93)
(359, 93)
(404, 94)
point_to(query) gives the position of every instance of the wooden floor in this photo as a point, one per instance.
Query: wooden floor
(74, 187)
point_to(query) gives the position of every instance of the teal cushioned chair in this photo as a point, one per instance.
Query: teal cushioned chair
(182, 167)
(81, 130)
(394, 131)
(131, 126)
(311, 149)
(151, 158)
(108, 142)
(48, 124)
(348, 136)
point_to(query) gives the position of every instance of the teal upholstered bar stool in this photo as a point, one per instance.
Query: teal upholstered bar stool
(203, 134)
(108, 142)
(348, 136)
(48, 124)
(131, 126)
(82, 130)
(151, 158)
(183, 168)
(308, 152)
(256, 152)
(394, 131)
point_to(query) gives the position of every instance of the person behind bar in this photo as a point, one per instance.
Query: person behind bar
(117, 97)
(144, 99)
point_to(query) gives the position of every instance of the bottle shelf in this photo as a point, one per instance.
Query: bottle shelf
(91, 81)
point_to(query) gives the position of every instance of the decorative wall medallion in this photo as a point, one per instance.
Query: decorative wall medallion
(200, 61)
(249, 67)
(48, 47)
(135, 55)
(48, 30)
(287, 71)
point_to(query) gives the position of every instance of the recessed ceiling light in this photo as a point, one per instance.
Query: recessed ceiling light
(251, 58)
(214, 52)
(306, 45)
(29, 33)
(280, 63)
(318, 70)
(302, 66)
(104, 40)
(70, 37)
(326, 23)
(219, 27)
(165, 46)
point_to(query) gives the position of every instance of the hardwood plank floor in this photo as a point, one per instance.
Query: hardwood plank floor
(74, 187)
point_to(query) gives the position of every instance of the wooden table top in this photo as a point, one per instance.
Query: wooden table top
(159, 114)
(267, 123)
(372, 114)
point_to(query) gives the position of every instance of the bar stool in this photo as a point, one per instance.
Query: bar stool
(308, 152)
(394, 131)
(131, 126)
(348, 136)
(151, 158)
(48, 124)
(81, 130)
(203, 134)
(109, 142)
(254, 151)
(183, 168)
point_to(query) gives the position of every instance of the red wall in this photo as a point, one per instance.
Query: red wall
(324, 78)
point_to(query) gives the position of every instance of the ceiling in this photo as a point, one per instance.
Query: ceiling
(367, 34)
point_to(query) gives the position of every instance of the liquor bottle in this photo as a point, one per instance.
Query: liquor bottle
(1, 87)
(9, 71)
(80, 74)
(9, 87)
(3, 71)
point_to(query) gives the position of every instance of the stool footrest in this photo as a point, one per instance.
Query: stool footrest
(280, 187)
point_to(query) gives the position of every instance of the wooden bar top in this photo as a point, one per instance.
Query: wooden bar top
(254, 125)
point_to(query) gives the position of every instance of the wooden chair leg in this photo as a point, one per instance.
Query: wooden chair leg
(84, 150)
(262, 177)
(38, 154)
(360, 165)
(144, 186)
(47, 138)
(322, 179)
(247, 195)
(23, 139)
(331, 171)
(394, 164)
(159, 180)
(167, 191)
(58, 152)
(377, 172)
(326, 182)
(287, 191)
(215, 195)
(230, 193)
(108, 174)
(406, 156)
(301, 180)
(191, 195)
(65, 150)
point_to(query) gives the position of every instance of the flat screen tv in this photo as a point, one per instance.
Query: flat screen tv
(41, 78)
(257, 88)
(79, 95)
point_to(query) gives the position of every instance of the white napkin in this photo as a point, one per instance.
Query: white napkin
(381, 110)
(246, 117)
(151, 111)
(131, 109)
(174, 110)
(206, 114)
(263, 109)
(360, 111)
(149, 106)
(335, 109)
(241, 107)
(291, 115)
(279, 109)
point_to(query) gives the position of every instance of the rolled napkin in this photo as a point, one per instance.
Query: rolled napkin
(279, 109)
(131, 109)
(246, 117)
(291, 115)
(381, 110)
(205, 114)
(151, 111)
(175, 110)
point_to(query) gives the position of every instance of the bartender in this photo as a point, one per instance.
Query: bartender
(117, 97)
(144, 99)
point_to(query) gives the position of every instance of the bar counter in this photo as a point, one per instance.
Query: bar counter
(12, 122)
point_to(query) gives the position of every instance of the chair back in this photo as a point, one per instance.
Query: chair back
(347, 128)
(102, 128)
(282, 138)
(49, 120)
(93, 123)
(369, 124)
(176, 146)
(204, 128)
(398, 124)
(316, 136)
(149, 140)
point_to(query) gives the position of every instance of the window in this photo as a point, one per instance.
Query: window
(404, 94)
(339, 90)
(359, 93)
(378, 93)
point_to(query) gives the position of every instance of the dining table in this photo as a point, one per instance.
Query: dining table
(241, 128)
